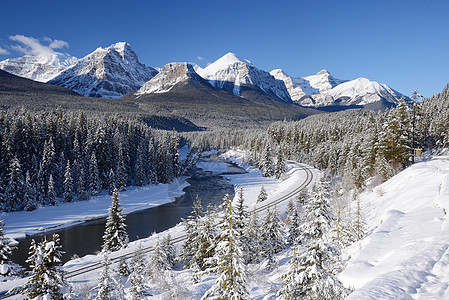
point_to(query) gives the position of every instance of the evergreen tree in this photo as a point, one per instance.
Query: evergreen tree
(231, 281)
(68, 184)
(13, 197)
(279, 168)
(266, 165)
(94, 176)
(293, 232)
(272, 237)
(160, 260)
(115, 236)
(7, 267)
(251, 247)
(192, 224)
(29, 198)
(359, 222)
(310, 275)
(241, 213)
(46, 281)
(106, 283)
(137, 280)
(112, 181)
(51, 194)
(262, 195)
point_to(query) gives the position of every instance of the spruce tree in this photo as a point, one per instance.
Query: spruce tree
(106, 283)
(279, 168)
(94, 176)
(266, 165)
(191, 225)
(51, 194)
(68, 184)
(46, 281)
(272, 237)
(231, 281)
(14, 190)
(8, 269)
(29, 198)
(262, 195)
(137, 279)
(115, 236)
(251, 248)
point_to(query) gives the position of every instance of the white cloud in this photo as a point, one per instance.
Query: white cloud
(33, 46)
(200, 58)
(3, 51)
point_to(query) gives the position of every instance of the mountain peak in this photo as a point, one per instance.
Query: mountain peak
(323, 72)
(223, 62)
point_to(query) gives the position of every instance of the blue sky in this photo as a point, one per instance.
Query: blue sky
(404, 44)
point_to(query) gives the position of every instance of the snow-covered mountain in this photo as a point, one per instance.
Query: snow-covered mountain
(171, 75)
(323, 89)
(107, 72)
(236, 75)
(38, 68)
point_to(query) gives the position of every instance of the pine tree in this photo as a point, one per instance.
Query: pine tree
(262, 195)
(279, 168)
(293, 232)
(266, 164)
(7, 267)
(13, 194)
(94, 176)
(29, 198)
(112, 181)
(106, 283)
(272, 237)
(46, 281)
(251, 248)
(51, 194)
(311, 274)
(192, 224)
(68, 184)
(241, 213)
(160, 260)
(231, 281)
(115, 236)
(137, 280)
(359, 222)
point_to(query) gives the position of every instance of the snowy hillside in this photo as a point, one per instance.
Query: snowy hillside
(171, 75)
(323, 89)
(38, 68)
(405, 254)
(107, 72)
(233, 74)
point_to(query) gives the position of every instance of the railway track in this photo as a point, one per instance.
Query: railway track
(180, 238)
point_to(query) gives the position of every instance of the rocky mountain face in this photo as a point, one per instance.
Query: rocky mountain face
(323, 90)
(107, 72)
(38, 68)
(237, 76)
(171, 75)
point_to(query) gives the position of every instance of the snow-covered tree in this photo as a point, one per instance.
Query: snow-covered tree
(8, 269)
(51, 193)
(138, 289)
(29, 197)
(14, 189)
(115, 236)
(295, 222)
(231, 281)
(46, 281)
(94, 185)
(192, 224)
(251, 245)
(160, 259)
(68, 184)
(266, 165)
(241, 213)
(272, 237)
(106, 283)
(279, 168)
(311, 274)
(262, 195)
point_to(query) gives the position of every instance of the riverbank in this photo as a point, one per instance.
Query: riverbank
(22, 223)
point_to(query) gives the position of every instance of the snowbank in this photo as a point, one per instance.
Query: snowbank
(21, 223)
(405, 254)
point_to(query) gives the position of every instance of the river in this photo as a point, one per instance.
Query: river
(86, 238)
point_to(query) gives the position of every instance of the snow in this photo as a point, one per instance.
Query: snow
(21, 223)
(323, 89)
(222, 63)
(405, 254)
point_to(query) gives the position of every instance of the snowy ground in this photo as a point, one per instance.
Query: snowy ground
(18, 224)
(405, 254)
(139, 198)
